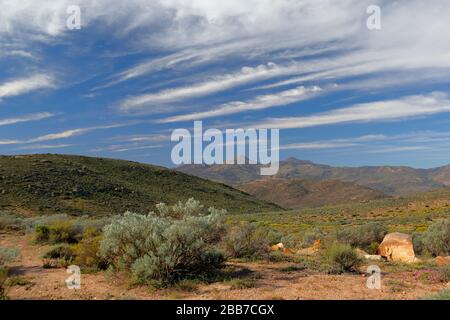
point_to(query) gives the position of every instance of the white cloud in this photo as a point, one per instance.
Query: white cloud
(317, 145)
(258, 103)
(45, 146)
(26, 118)
(408, 107)
(24, 85)
(56, 136)
(246, 75)
(60, 135)
(396, 149)
(191, 32)
(71, 133)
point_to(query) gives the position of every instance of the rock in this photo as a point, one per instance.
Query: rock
(277, 247)
(442, 261)
(311, 250)
(361, 253)
(373, 257)
(398, 247)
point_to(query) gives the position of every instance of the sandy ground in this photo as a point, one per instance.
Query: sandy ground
(272, 283)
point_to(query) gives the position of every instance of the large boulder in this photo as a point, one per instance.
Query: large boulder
(398, 247)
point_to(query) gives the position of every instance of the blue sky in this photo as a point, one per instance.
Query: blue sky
(340, 93)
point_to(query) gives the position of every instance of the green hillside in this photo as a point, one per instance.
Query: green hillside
(47, 184)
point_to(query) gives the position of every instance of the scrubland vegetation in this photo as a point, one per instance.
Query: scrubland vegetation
(184, 245)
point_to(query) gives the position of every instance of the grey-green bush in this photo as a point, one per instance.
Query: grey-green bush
(7, 255)
(342, 257)
(246, 240)
(363, 236)
(174, 241)
(436, 240)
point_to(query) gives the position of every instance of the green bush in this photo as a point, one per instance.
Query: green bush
(87, 251)
(246, 240)
(175, 241)
(436, 239)
(442, 295)
(61, 255)
(7, 255)
(58, 232)
(444, 272)
(419, 247)
(343, 257)
(310, 236)
(11, 222)
(41, 234)
(363, 236)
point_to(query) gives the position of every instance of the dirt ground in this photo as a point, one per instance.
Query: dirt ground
(272, 283)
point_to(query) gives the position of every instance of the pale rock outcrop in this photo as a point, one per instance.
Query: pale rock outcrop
(398, 247)
(278, 247)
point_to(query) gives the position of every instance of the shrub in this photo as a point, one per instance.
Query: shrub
(64, 232)
(363, 236)
(62, 255)
(7, 255)
(445, 273)
(245, 240)
(11, 222)
(41, 234)
(436, 239)
(342, 257)
(418, 244)
(87, 252)
(310, 236)
(173, 242)
(57, 232)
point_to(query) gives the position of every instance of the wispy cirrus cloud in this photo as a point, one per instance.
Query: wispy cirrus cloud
(26, 118)
(59, 135)
(399, 109)
(21, 86)
(258, 103)
(317, 145)
(72, 133)
(214, 85)
(45, 146)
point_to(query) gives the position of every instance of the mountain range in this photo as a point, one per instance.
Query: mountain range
(390, 180)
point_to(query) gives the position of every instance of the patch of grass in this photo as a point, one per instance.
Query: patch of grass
(20, 282)
(443, 295)
(187, 285)
(395, 285)
(242, 283)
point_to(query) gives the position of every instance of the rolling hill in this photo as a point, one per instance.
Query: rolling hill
(297, 194)
(387, 179)
(48, 184)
